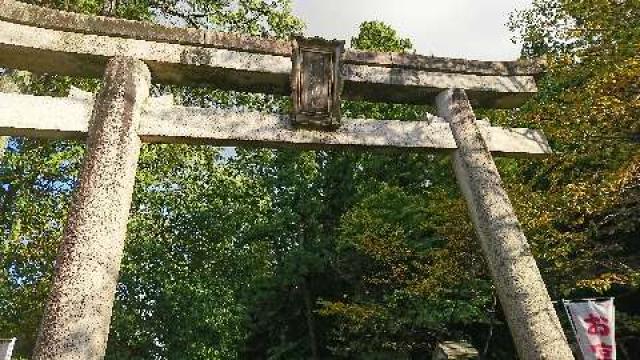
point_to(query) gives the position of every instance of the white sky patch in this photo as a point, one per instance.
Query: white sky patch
(472, 29)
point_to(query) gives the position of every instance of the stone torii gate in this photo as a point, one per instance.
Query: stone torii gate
(129, 55)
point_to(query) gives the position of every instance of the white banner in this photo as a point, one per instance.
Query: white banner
(594, 325)
(6, 348)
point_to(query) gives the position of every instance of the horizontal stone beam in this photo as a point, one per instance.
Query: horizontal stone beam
(41, 116)
(27, 14)
(177, 124)
(411, 86)
(79, 45)
(44, 116)
(44, 50)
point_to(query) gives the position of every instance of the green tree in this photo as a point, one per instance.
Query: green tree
(378, 36)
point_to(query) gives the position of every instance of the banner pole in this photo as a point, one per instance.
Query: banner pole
(568, 312)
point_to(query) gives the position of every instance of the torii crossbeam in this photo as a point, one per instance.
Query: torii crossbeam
(130, 54)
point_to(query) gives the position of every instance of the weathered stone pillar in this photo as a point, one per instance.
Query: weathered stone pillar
(78, 313)
(532, 319)
(4, 141)
(6, 86)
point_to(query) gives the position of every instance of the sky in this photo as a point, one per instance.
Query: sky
(471, 29)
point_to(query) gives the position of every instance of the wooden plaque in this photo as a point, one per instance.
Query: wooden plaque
(316, 83)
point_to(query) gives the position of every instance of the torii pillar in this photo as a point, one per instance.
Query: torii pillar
(533, 322)
(77, 316)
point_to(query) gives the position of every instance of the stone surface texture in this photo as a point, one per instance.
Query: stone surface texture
(77, 316)
(175, 124)
(44, 40)
(388, 84)
(162, 122)
(221, 127)
(4, 141)
(446, 65)
(6, 86)
(22, 13)
(44, 116)
(530, 314)
(78, 54)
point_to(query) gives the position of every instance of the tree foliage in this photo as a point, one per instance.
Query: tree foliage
(585, 199)
(378, 36)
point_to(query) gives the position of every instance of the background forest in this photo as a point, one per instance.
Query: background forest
(276, 254)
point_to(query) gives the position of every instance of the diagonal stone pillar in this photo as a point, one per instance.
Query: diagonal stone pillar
(78, 312)
(532, 319)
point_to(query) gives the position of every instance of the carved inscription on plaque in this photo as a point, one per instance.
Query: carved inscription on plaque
(316, 83)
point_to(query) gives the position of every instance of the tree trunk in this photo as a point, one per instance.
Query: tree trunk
(485, 351)
(313, 342)
(109, 7)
